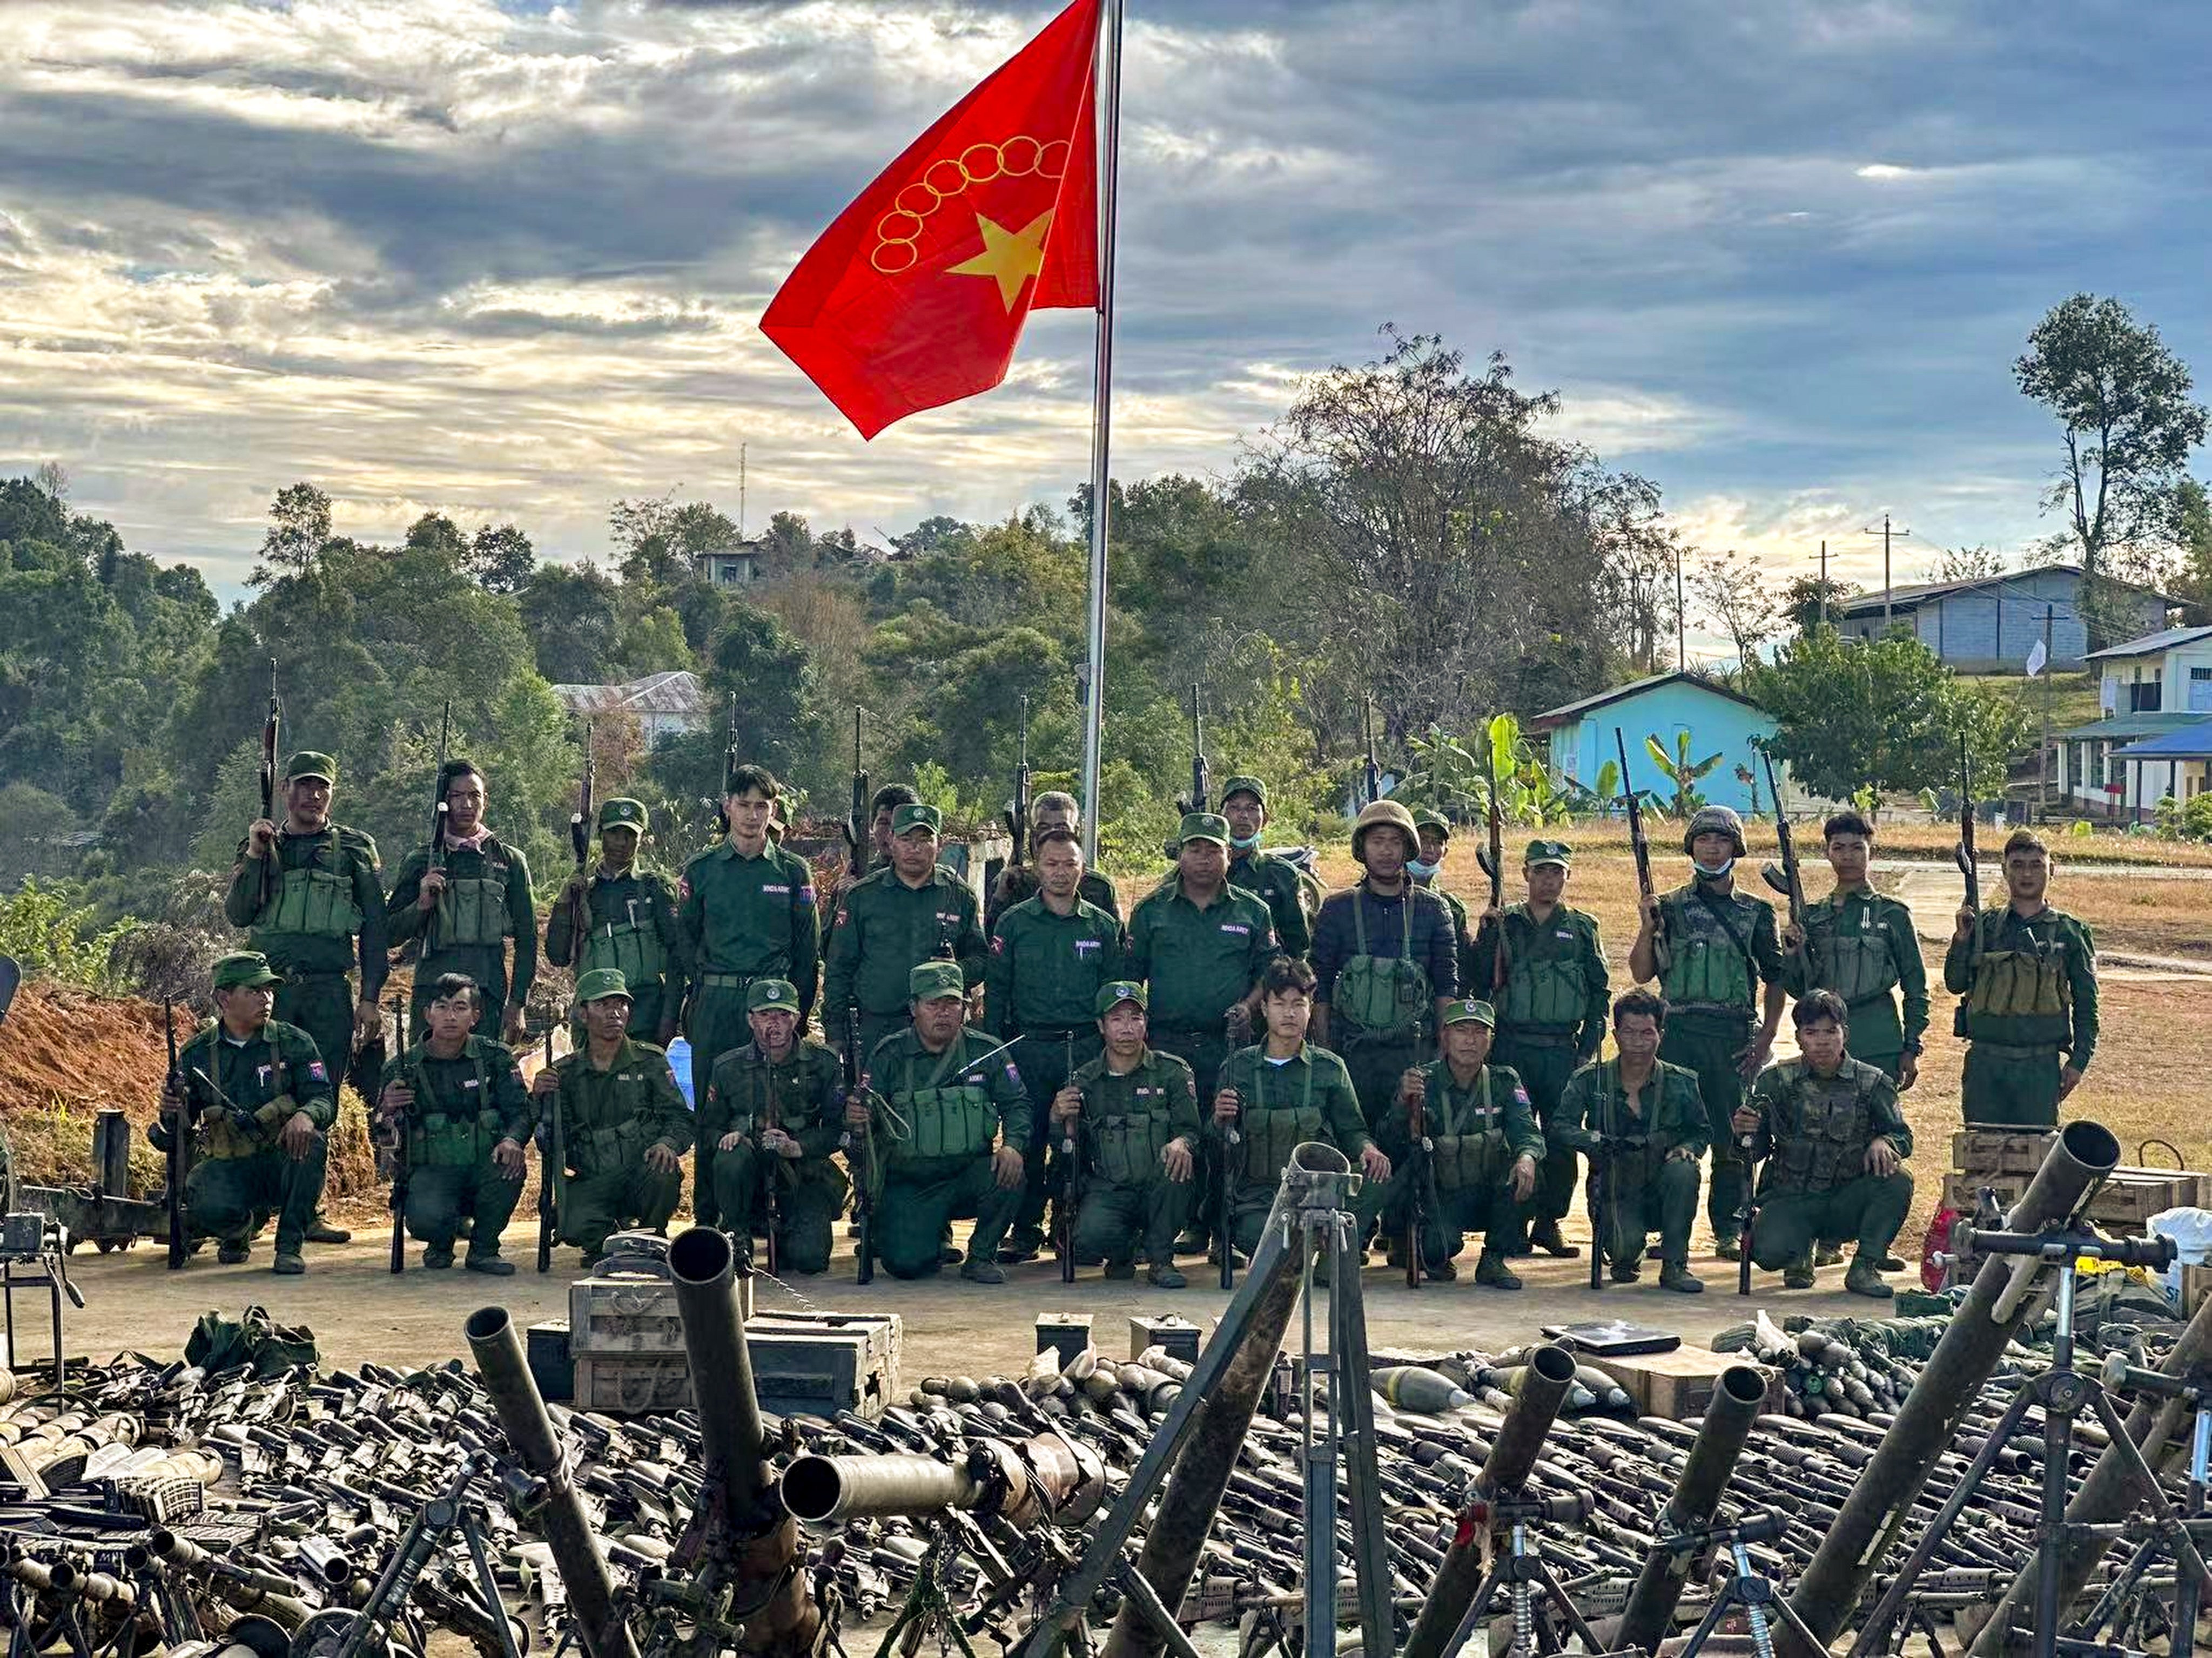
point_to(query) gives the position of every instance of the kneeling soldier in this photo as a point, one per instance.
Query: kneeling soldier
(1829, 1130)
(935, 1097)
(460, 1099)
(1482, 1147)
(1135, 1120)
(1278, 1094)
(261, 1100)
(623, 1128)
(771, 1114)
(1642, 1121)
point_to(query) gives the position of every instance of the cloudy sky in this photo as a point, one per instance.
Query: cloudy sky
(506, 261)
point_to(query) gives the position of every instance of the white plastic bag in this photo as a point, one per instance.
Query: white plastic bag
(2191, 1232)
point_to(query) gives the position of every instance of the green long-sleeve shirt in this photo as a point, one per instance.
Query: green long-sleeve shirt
(751, 917)
(1813, 1131)
(310, 932)
(2001, 946)
(888, 928)
(1198, 964)
(1593, 1104)
(631, 1104)
(1150, 1106)
(636, 897)
(1449, 1111)
(1556, 982)
(901, 1133)
(1265, 1086)
(1045, 970)
(1861, 944)
(483, 959)
(1274, 881)
(803, 1091)
(228, 1081)
(482, 1077)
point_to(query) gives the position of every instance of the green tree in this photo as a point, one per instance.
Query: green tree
(573, 615)
(2192, 583)
(780, 723)
(298, 530)
(1808, 602)
(1735, 593)
(501, 558)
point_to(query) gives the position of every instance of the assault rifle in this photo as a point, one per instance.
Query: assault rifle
(1963, 855)
(772, 1182)
(270, 730)
(1492, 859)
(1640, 844)
(400, 1163)
(438, 806)
(1018, 814)
(1786, 879)
(1417, 1206)
(552, 1168)
(857, 1155)
(1200, 778)
(1746, 1213)
(730, 764)
(1232, 1138)
(579, 842)
(857, 823)
(1071, 1172)
(1371, 775)
(180, 1141)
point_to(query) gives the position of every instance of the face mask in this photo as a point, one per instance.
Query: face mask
(1712, 874)
(1244, 843)
(1421, 871)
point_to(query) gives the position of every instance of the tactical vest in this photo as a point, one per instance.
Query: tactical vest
(599, 1146)
(1708, 968)
(1639, 1165)
(315, 902)
(1835, 1126)
(2014, 984)
(1545, 988)
(1853, 962)
(1383, 997)
(1469, 1153)
(633, 948)
(221, 1137)
(1126, 1147)
(444, 1133)
(958, 1121)
(1272, 1133)
(472, 912)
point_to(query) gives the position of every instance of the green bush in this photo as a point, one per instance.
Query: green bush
(54, 935)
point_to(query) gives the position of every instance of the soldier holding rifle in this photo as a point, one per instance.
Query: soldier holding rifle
(770, 1114)
(464, 895)
(1274, 881)
(1052, 810)
(625, 916)
(916, 911)
(1862, 945)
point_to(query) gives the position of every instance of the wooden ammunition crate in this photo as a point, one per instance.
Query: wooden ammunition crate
(820, 1363)
(885, 1331)
(633, 1384)
(1677, 1385)
(624, 1315)
(2125, 1201)
(1983, 1153)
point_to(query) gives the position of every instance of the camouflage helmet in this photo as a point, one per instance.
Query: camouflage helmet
(1714, 820)
(1385, 814)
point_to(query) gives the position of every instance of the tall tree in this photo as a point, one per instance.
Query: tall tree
(2192, 583)
(298, 530)
(1980, 563)
(1808, 602)
(2122, 401)
(1735, 595)
(501, 558)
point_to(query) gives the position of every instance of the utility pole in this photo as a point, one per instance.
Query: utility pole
(2043, 749)
(1681, 618)
(1823, 584)
(741, 492)
(1885, 532)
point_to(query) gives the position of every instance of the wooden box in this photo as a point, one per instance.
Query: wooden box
(1984, 1151)
(1678, 1385)
(633, 1384)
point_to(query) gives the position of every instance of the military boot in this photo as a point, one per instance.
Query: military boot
(322, 1230)
(1491, 1270)
(1801, 1274)
(982, 1272)
(1728, 1249)
(1546, 1236)
(231, 1251)
(1675, 1275)
(1863, 1277)
(1163, 1275)
(1628, 1270)
(1828, 1255)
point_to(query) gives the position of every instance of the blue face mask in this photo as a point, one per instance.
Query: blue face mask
(1243, 842)
(1706, 873)
(1420, 871)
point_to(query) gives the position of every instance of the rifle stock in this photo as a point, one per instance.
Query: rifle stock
(270, 727)
(1641, 846)
(180, 1143)
(858, 1155)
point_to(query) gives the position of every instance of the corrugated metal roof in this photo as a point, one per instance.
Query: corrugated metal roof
(2150, 644)
(2190, 743)
(2126, 727)
(1920, 592)
(672, 691)
(1567, 710)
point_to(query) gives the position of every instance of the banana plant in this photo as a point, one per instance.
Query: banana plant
(1679, 769)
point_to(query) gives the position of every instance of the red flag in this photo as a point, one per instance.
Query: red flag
(916, 295)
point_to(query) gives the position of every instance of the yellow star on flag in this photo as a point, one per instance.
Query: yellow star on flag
(1013, 257)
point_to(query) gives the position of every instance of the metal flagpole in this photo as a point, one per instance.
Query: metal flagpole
(1110, 148)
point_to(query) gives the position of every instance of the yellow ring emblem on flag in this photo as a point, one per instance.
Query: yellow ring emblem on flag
(898, 233)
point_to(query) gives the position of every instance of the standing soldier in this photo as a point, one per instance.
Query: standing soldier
(771, 1114)
(746, 912)
(1274, 881)
(1199, 946)
(628, 919)
(1644, 1126)
(1862, 946)
(466, 907)
(1719, 949)
(896, 919)
(1134, 1119)
(1551, 1013)
(1052, 810)
(1483, 1147)
(623, 1125)
(1278, 1094)
(1435, 830)
(261, 1100)
(1828, 1128)
(883, 806)
(934, 1097)
(2028, 974)
(460, 1100)
(313, 916)
(1049, 955)
(1385, 962)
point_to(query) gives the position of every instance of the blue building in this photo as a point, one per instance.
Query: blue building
(1990, 625)
(1717, 719)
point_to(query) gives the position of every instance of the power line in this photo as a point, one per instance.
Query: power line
(1885, 532)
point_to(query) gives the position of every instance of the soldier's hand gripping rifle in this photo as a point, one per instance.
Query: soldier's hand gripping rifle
(1371, 773)
(579, 842)
(180, 1130)
(1492, 859)
(1786, 878)
(396, 1145)
(857, 825)
(552, 1166)
(857, 1155)
(1017, 812)
(1417, 1170)
(270, 737)
(771, 1184)
(1070, 1171)
(1201, 780)
(1640, 844)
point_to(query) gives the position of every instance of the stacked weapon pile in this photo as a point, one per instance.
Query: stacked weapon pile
(358, 1512)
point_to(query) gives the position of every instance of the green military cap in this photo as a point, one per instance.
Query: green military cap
(600, 983)
(1251, 786)
(308, 764)
(773, 994)
(930, 980)
(1429, 817)
(1203, 826)
(1549, 852)
(1468, 1008)
(1111, 996)
(914, 814)
(245, 966)
(622, 812)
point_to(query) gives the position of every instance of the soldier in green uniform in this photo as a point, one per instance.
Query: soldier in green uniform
(1200, 944)
(464, 899)
(1862, 946)
(1644, 1126)
(1052, 810)
(1385, 962)
(1826, 1129)
(623, 1126)
(747, 912)
(772, 1111)
(1712, 948)
(916, 911)
(260, 1100)
(2029, 975)
(1049, 955)
(1481, 1146)
(1551, 1013)
(318, 912)
(883, 806)
(460, 1099)
(1435, 830)
(934, 1097)
(1280, 1093)
(1274, 881)
(1133, 1115)
(625, 916)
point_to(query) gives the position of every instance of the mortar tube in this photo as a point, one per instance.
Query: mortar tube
(189, 1556)
(1191, 1495)
(1695, 1497)
(1520, 1439)
(500, 1361)
(1868, 1525)
(1035, 1481)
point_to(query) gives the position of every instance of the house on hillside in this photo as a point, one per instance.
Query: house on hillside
(1991, 624)
(662, 703)
(2150, 689)
(1717, 719)
(738, 565)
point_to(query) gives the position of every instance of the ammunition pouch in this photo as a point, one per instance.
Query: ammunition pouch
(1125, 1149)
(946, 1122)
(473, 911)
(1381, 996)
(635, 950)
(1544, 991)
(1855, 964)
(1271, 1136)
(2011, 984)
(315, 904)
(1835, 1127)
